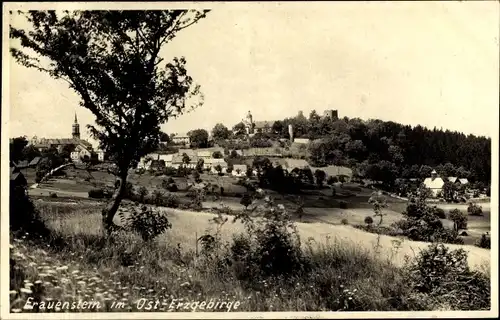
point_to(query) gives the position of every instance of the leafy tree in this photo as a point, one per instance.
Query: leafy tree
(234, 154)
(459, 219)
(246, 200)
(425, 171)
(196, 177)
(16, 148)
(475, 209)
(164, 137)
(450, 191)
(239, 129)
(185, 159)
(279, 128)
(198, 138)
(217, 155)
(218, 168)
(356, 149)
(199, 165)
(320, 176)
(111, 59)
(368, 220)
(220, 132)
(54, 160)
(66, 151)
(30, 152)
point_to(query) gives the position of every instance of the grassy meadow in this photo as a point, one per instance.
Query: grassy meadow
(347, 273)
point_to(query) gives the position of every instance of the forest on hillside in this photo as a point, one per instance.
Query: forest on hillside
(384, 150)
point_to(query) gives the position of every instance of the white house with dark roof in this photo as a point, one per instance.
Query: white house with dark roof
(181, 138)
(239, 170)
(434, 183)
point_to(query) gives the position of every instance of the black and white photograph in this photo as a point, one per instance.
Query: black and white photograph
(244, 160)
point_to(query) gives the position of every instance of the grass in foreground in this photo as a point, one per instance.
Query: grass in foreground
(340, 276)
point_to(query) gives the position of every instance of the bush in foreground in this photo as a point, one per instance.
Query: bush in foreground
(443, 275)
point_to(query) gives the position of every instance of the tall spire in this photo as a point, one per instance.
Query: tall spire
(76, 129)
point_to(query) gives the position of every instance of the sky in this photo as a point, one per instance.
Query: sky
(430, 63)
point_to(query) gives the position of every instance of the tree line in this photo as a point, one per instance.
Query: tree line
(381, 150)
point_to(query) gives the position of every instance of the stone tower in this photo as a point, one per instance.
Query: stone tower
(290, 132)
(332, 114)
(76, 129)
(249, 123)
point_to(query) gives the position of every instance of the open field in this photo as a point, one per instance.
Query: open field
(319, 205)
(85, 219)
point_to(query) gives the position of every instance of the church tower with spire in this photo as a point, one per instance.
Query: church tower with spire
(76, 129)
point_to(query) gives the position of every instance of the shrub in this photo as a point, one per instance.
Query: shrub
(459, 219)
(439, 212)
(474, 209)
(246, 200)
(147, 222)
(331, 180)
(484, 242)
(437, 272)
(96, 193)
(157, 198)
(39, 175)
(170, 171)
(171, 201)
(172, 187)
(273, 244)
(23, 216)
(196, 177)
(422, 224)
(342, 204)
(344, 221)
(142, 193)
(369, 220)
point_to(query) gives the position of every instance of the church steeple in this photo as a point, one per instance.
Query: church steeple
(76, 129)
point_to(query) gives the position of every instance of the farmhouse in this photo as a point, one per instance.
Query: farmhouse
(81, 150)
(157, 165)
(263, 126)
(218, 162)
(181, 139)
(301, 141)
(239, 170)
(434, 183)
(204, 154)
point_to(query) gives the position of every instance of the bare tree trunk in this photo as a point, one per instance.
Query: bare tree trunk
(108, 212)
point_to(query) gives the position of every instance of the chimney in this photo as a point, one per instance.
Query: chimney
(290, 132)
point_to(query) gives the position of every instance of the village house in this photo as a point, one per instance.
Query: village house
(167, 158)
(239, 170)
(434, 183)
(157, 165)
(181, 139)
(82, 147)
(80, 152)
(218, 162)
(301, 140)
(204, 154)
